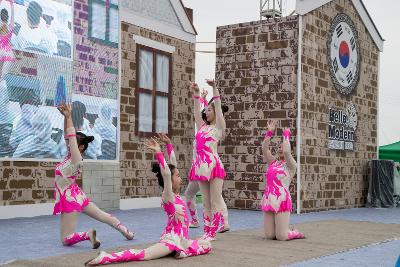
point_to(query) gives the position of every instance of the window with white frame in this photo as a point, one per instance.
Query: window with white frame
(104, 21)
(153, 92)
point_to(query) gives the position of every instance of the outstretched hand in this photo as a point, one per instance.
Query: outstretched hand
(204, 93)
(271, 125)
(286, 145)
(195, 88)
(210, 82)
(164, 138)
(65, 110)
(152, 145)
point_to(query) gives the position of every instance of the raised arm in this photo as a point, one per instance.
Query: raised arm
(268, 157)
(203, 99)
(70, 134)
(197, 108)
(170, 149)
(168, 194)
(219, 116)
(287, 152)
(12, 16)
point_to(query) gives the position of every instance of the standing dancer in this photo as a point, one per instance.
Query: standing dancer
(276, 202)
(70, 199)
(193, 187)
(207, 167)
(175, 237)
(6, 31)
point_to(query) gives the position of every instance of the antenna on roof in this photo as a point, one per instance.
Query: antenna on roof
(271, 9)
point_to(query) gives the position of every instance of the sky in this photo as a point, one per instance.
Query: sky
(208, 14)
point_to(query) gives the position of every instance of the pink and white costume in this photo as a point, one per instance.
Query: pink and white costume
(6, 53)
(206, 164)
(175, 236)
(69, 197)
(176, 233)
(278, 176)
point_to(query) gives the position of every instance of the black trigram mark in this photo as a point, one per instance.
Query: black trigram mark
(339, 30)
(349, 77)
(335, 65)
(353, 43)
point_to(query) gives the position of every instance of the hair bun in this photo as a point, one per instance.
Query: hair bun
(155, 168)
(224, 108)
(89, 139)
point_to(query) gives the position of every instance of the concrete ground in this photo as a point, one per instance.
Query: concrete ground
(35, 238)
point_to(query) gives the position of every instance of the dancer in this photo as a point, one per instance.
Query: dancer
(70, 199)
(175, 237)
(276, 202)
(6, 31)
(207, 167)
(193, 186)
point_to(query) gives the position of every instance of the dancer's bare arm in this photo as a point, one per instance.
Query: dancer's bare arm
(12, 16)
(70, 134)
(167, 194)
(197, 109)
(219, 116)
(287, 152)
(170, 149)
(268, 157)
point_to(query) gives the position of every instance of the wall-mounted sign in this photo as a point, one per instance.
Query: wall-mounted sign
(341, 128)
(343, 54)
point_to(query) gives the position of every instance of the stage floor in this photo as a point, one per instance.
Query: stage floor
(354, 237)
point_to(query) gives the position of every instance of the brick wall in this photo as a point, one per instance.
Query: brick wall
(102, 184)
(26, 182)
(335, 179)
(256, 71)
(137, 180)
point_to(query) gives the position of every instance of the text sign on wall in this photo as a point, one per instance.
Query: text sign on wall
(341, 128)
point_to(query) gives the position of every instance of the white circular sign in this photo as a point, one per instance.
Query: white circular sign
(343, 54)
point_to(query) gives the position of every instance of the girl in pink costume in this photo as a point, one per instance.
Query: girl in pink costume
(175, 237)
(6, 31)
(70, 200)
(276, 202)
(207, 167)
(193, 187)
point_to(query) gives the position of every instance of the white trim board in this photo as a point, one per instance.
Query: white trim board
(299, 90)
(182, 16)
(306, 6)
(156, 26)
(140, 203)
(153, 44)
(26, 211)
(34, 210)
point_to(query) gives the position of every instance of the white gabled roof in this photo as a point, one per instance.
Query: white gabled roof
(305, 6)
(167, 17)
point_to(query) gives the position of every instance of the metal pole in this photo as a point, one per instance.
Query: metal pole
(273, 6)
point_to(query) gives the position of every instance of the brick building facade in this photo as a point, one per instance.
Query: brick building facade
(264, 68)
(269, 69)
(256, 72)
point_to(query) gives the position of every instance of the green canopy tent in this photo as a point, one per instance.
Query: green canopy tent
(391, 151)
